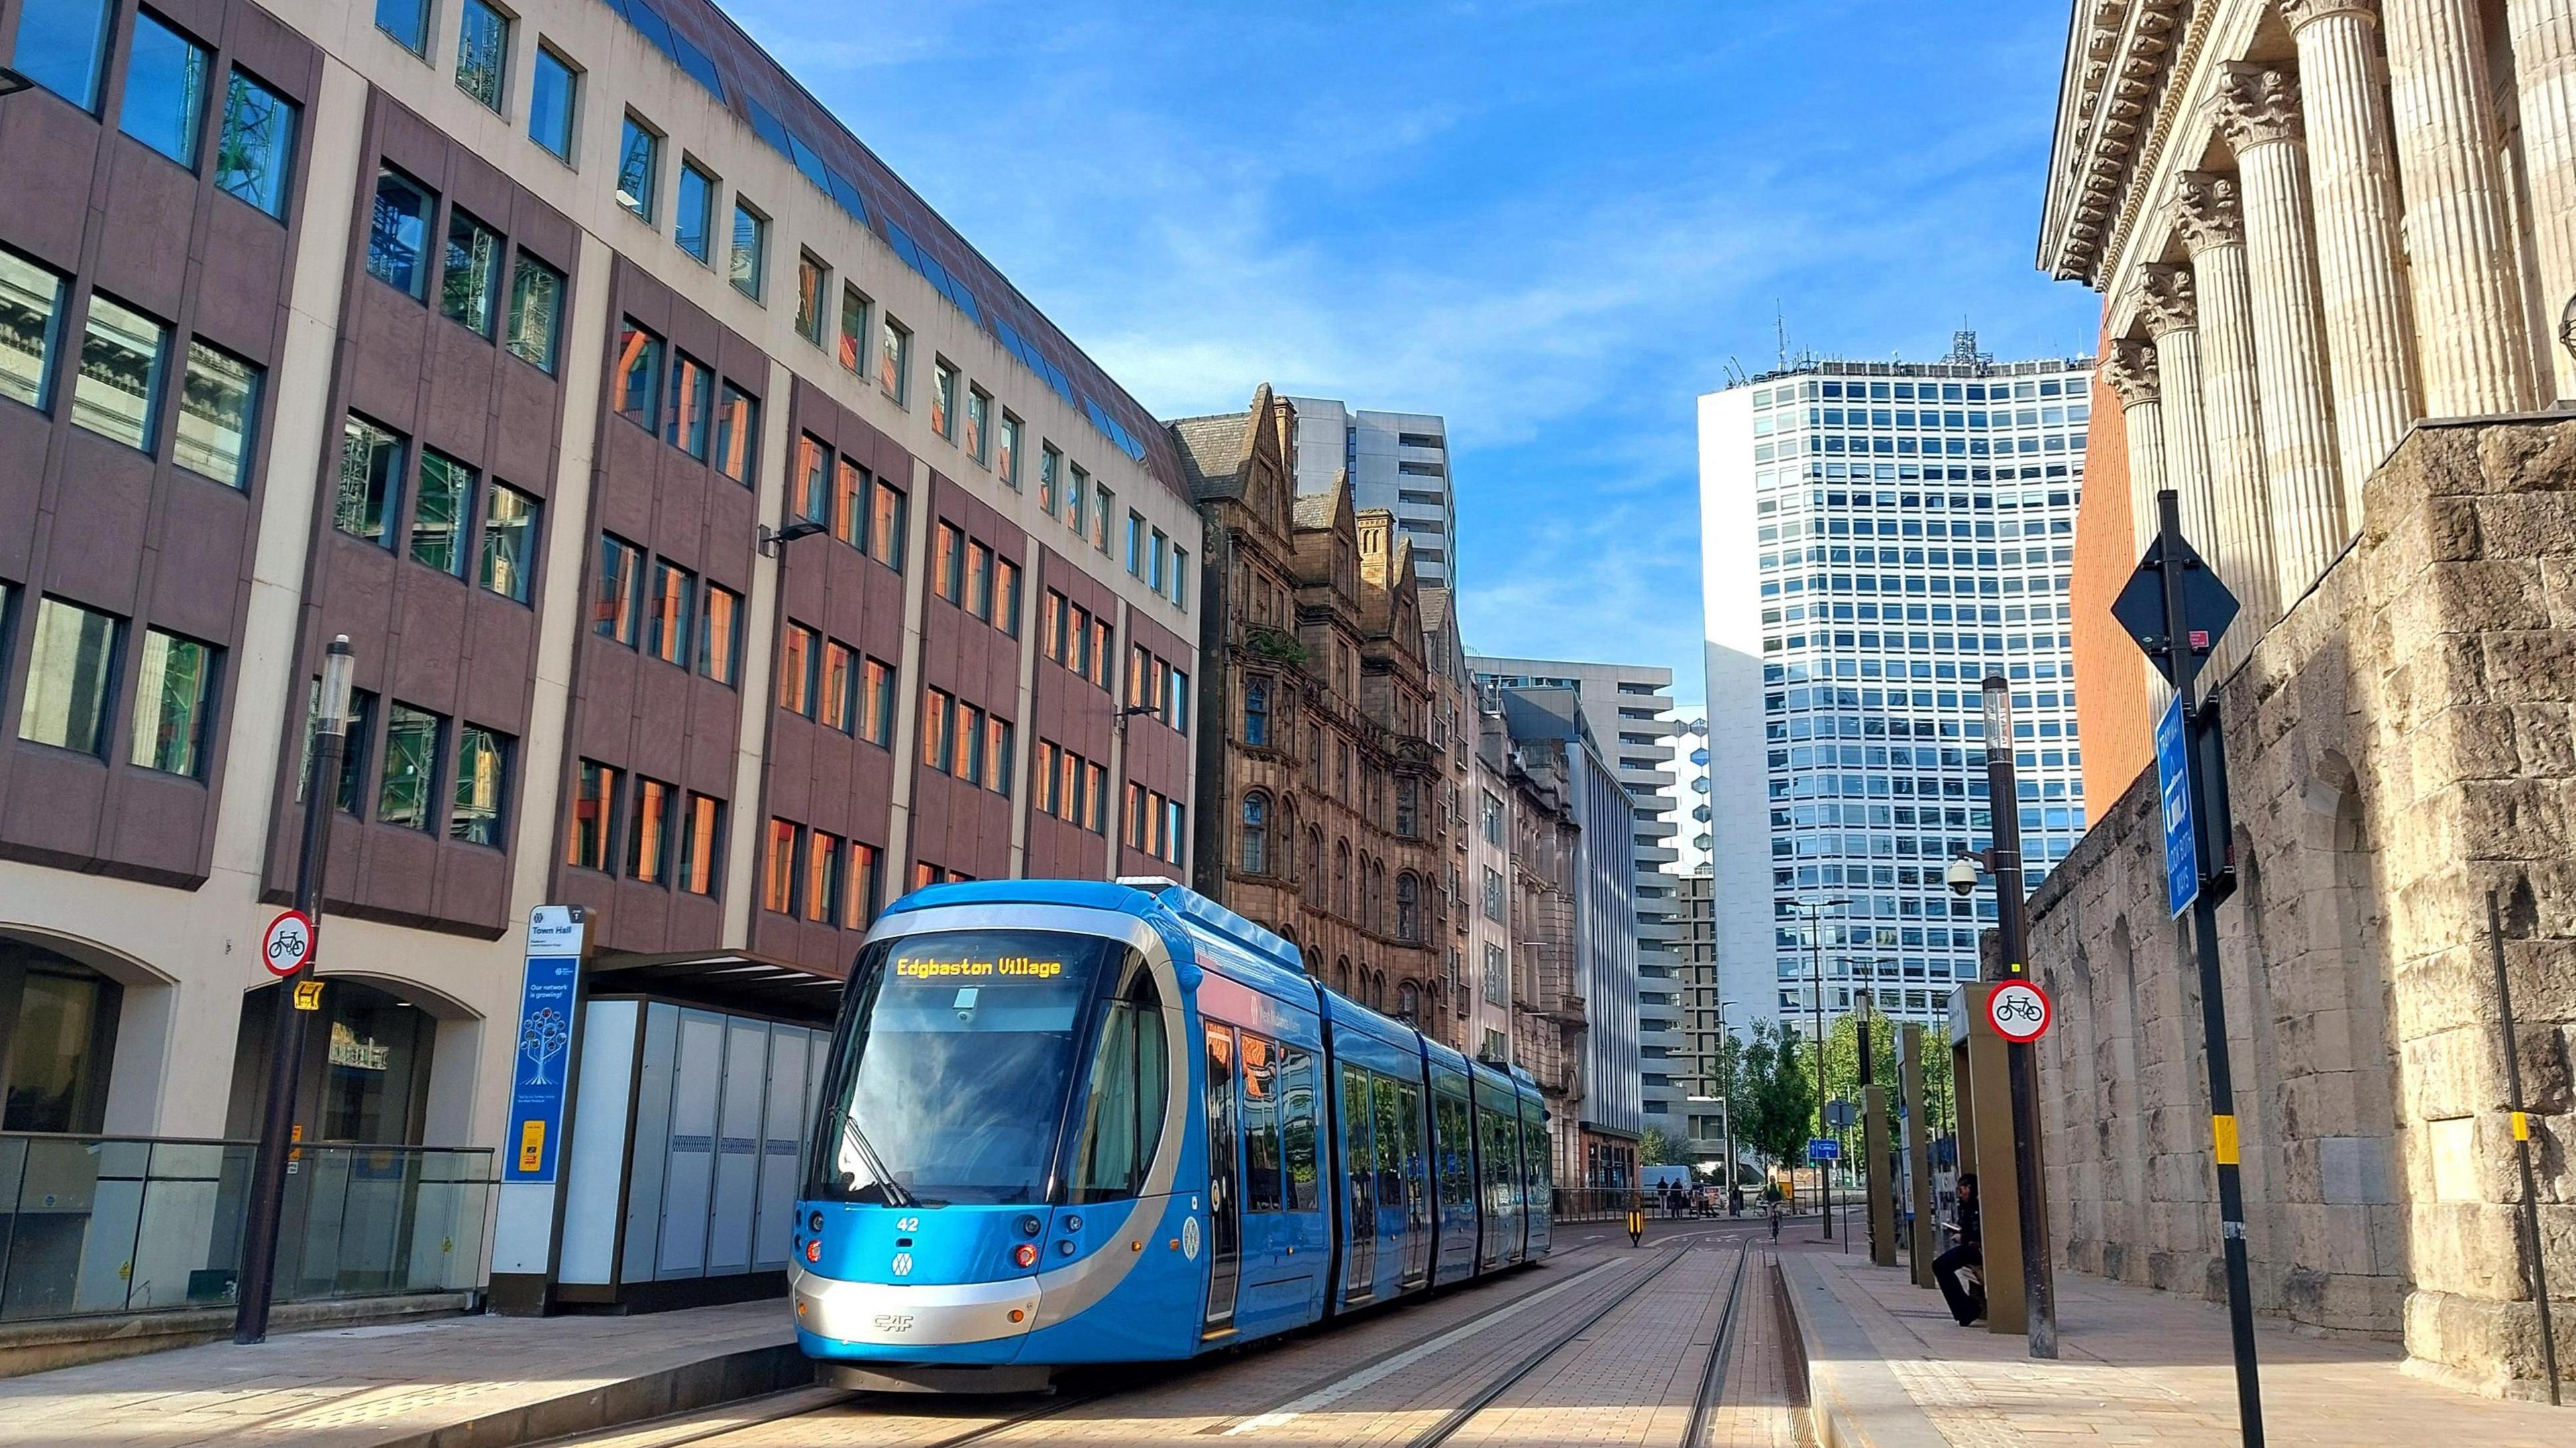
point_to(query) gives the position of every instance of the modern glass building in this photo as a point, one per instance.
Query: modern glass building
(1877, 538)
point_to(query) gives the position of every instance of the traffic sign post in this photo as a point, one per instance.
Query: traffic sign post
(2190, 605)
(2038, 1284)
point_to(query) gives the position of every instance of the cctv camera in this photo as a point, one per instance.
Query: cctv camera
(1962, 875)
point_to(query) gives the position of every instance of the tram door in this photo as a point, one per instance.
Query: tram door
(1225, 1204)
(1416, 1169)
(1359, 1161)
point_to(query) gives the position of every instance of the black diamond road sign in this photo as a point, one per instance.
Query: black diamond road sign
(2140, 608)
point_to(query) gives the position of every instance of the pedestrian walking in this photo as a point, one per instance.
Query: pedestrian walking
(1960, 1271)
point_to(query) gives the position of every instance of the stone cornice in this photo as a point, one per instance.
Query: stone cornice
(2130, 371)
(2167, 300)
(2300, 14)
(2256, 105)
(2206, 212)
(2117, 75)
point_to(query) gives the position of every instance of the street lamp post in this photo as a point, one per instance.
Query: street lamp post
(1816, 963)
(2004, 808)
(286, 1028)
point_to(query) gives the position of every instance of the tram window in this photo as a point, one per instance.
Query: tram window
(1261, 1184)
(1123, 1120)
(1390, 1143)
(1417, 1186)
(1534, 1160)
(1359, 1153)
(1457, 1179)
(1297, 1107)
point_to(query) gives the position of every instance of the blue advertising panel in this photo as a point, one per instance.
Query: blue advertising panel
(543, 1057)
(1824, 1148)
(2173, 788)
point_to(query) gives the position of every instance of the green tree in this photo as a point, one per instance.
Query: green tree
(1776, 1104)
(1655, 1148)
(1842, 1067)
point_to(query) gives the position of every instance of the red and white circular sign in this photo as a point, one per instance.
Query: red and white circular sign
(288, 944)
(2019, 1011)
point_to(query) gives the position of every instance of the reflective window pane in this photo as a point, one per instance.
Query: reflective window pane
(551, 88)
(696, 209)
(411, 767)
(509, 542)
(119, 386)
(482, 785)
(69, 672)
(482, 53)
(648, 845)
(812, 277)
(639, 168)
(257, 153)
(406, 21)
(170, 698)
(60, 46)
(165, 90)
(692, 389)
(536, 301)
(218, 406)
(617, 600)
(31, 308)
(371, 477)
(639, 377)
(398, 234)
(750, 241)
(469, 288)
(445, 509)
(720, 636)
(737, 434)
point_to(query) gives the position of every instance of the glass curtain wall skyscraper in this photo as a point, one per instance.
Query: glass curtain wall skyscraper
(1878, 538)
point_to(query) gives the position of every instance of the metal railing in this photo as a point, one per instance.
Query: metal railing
(102, 1225)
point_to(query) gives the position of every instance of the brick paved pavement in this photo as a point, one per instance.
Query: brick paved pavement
(2138, 1367)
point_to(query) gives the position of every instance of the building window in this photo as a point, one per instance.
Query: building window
(778, 883)
(1000, 748)
(948, 562)
(70, 671)
(849, 503)
(509, 542)
(692, 404)
(639, 167)
(886, 526)
(943, 400)
(812, 479)
(1077, 501)
(696, 208)
(594, 817)
(1158, 559)
(536, 309)
(617, 603)
(935, 743)
(1490, 818)
(813, 282)
(1135, 544)
(737, 434)
(894, 362)
(257, 152)
(1179, 594)
(702, 836)
(398, 234)
(1103, 503)
(720, 636)
(1408, 808)
(1050, 470)
(62, 46)
(979, 424)
(674, 607)
(469, 287)
(31, 309)
(1006, 458)
(482, 786)
(639, 376)
(876, 704)
(371, 477)
(218, 408)
(483, 53)
(867, 885)
(412, 740)
(648, 843)
(117, 393)
(165, 89)
(1006, 597)
(822, 876)
(407, 21)
(1254, 851)
(170, 703)
(1408, 907)
(1256, 713)
(1493, 894)
(979, 581)
(840, 687)
(750, 249)
(442, 509)
(854, 332)
(554, 89)
(797, 650)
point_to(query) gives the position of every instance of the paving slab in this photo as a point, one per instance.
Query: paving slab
(1889, 1369)
(454, 1382)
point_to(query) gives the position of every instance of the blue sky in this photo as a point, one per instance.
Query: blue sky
(1555, 223)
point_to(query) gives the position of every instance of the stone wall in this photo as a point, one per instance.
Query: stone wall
(2399, 744)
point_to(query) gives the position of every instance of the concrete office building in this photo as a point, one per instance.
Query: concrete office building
(500, 341)
(1704, 1014)
(1398, 461)
(1628, 708)
(1876, 539)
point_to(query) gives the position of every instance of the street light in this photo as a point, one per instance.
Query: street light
(2003, 861)
(1816, 962)
(286, 1028)
(773, 541)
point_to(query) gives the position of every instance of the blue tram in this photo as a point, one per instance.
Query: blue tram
(1069, 1122)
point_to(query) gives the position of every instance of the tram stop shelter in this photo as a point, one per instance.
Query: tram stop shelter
(1981, 1083)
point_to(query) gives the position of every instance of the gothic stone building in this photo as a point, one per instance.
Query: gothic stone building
(1324, 822)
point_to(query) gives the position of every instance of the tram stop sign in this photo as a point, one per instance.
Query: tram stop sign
(2019, 1011)
(2140, 608)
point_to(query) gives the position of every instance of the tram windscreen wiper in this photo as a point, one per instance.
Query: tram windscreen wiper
(893, 1191)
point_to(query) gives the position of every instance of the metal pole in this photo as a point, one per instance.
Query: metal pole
(258, 1279)
(2039, 1292)
(2184, 667)
(1824, 1169)
(2530, 1212)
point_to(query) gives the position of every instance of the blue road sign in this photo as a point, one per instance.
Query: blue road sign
(1824, 1148)
(2173, 787)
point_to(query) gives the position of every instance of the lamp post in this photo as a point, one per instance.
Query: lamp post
(1816, 963)
(286, 1029)
(2003, 805)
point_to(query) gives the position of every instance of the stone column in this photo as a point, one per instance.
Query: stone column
(2132, 375)
(2459, 244)
(2171, 311)
(2544, 71)
(2239, 547)
(2257, 111)
(2369, 334)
